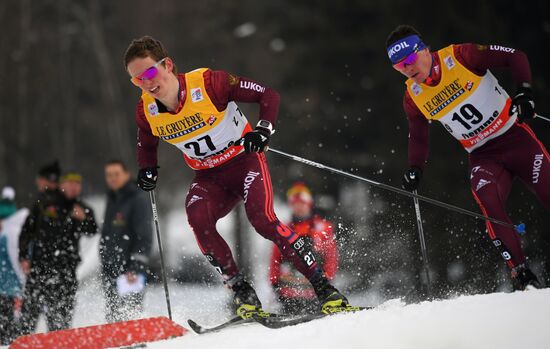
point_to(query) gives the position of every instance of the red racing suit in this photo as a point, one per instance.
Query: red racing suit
(512, 151)
(204, 127)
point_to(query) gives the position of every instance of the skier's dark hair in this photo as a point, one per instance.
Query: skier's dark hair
(402, 31)
(117, 162)
(146, 46)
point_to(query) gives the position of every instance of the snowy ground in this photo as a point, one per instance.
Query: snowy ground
(517, 320)
(500, 320)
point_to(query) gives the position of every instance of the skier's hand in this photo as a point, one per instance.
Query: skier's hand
(523, 103)
(147, 178)
(25, 266)
(256, 141)
(411, 179)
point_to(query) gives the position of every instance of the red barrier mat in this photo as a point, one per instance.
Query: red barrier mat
(104, 336)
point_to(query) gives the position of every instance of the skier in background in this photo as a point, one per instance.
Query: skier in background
(455, 86)
(12, 277)
(196, 112)
(293, 289)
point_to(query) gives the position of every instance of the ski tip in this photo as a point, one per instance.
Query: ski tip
(520, 228)
(194, 326)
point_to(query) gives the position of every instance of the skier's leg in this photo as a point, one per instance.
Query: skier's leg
(491, 184)
(257, 194)
(530, 161)
(206, 203)
(258, 198)
(533, 165)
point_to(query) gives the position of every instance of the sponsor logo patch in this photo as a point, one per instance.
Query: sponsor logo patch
(249, 85)
(501, 48)
(398, 47)
(196, 95)
(479, 169)
(482, 182)
(416, 89)
(212, 119)
(449, 62)
(446, 95)
(194, 199)
(469, 85)
(537, 163)
(248, 180)
(195, 185)
(153, 109)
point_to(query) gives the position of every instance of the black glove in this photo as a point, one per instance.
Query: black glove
(523, 103)
(256, 141)
(411, 178)
(147, 178)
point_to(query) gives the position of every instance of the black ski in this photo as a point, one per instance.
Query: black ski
(280, 321)
(269, 320)
(237, 320)
(284, 321)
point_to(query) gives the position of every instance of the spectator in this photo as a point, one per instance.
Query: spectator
(82, 214)
(293, 289)
(48, 177)
(11, 275)
(48, 250)
(125, 244)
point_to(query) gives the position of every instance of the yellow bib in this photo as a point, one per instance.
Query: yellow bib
(205, 135)
(472, 108)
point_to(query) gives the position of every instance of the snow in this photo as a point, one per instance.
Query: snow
(500, 320)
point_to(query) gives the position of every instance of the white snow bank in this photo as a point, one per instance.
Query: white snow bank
(514, 320)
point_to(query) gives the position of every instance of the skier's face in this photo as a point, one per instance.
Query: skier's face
(153, 77)
(417, 69)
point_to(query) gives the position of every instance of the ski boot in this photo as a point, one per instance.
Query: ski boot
(331, 300)
(246, 302)
(524, 279)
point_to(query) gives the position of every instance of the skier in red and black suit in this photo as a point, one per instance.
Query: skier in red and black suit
(293, 290)
(455, 86)
(196, 112)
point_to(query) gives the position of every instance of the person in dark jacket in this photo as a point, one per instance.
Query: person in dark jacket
(48, 252)
(125, 244)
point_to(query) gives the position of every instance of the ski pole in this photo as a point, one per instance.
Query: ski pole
(423, 248)
(542, 117)
(520, 228)
(163, 268)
